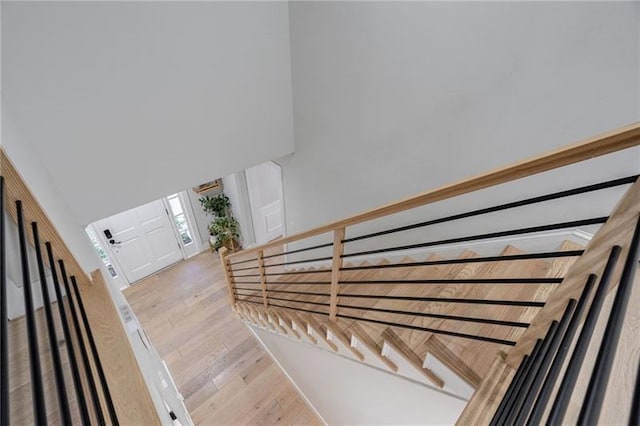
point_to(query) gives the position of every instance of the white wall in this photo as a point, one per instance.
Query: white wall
(394, 98)
(344, 391)
(143, 99)
(32, 169)
(201, 218)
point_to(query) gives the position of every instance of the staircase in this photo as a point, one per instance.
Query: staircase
(511, 330)
(528, 333)
(365, 332)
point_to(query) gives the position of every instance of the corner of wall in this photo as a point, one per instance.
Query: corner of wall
(284, 371)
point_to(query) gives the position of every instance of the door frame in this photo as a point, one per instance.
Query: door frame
(243, 209)
(250, 207)
(107, 247)
(176, 235)
(186, 207)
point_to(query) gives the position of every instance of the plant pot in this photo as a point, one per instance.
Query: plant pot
(232, 245)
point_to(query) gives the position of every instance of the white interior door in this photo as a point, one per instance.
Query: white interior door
(141, 239)
(264, 183)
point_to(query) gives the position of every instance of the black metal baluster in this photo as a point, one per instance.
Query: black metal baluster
(391, 324)
(455, 261)
(37, 388)
(94, 351)
(478, 237)
(510, 390)
(4, 320)
(73, 361)
(592, 404)
(547, 358)
(63, 400)
(536, 364)
(500, 207)
(563, 397)
(567, 339)
(83, 348)
(518, 387)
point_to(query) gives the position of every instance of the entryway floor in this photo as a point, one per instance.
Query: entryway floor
(224, 374)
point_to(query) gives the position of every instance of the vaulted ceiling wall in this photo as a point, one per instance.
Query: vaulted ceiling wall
(128, 102)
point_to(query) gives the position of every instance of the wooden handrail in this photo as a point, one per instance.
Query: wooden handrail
(607, 143)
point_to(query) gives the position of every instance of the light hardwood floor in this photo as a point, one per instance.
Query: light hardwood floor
(20, 397)
(224, 374)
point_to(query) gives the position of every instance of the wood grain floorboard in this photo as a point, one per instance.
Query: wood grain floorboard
(224, 374)
(20, 396)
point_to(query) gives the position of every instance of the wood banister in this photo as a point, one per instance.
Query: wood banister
(484, 402)
(607, 143)
(129, 391)
(263, 278)
(224, 261)
(338, 250)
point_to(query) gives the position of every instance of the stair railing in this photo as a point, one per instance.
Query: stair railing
(101, 398)
(252, 273)
(545, 386)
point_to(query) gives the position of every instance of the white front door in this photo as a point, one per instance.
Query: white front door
(141, 239)
(264, 183)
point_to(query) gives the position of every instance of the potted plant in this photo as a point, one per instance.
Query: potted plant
(225, 229)
(217, 206)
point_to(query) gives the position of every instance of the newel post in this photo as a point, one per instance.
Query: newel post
(263, 278)
(336, 266)
(226, 267)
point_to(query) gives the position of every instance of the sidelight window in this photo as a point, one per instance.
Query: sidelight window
(180, 218)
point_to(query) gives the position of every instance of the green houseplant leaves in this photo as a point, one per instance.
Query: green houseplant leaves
(224, 228)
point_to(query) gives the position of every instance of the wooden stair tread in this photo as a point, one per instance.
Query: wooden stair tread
(484, 402)
(399, 346)
(339, 333)
(379, 289)
(414, 338)
(469, 359)
(286, 324)
(320, 330)
(366, 340)
(437, 348)
(558, 269)
(479, 355)
(300, 325)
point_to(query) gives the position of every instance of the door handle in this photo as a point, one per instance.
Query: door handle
(109, 235)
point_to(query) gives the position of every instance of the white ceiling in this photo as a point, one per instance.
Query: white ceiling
(127, 102)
